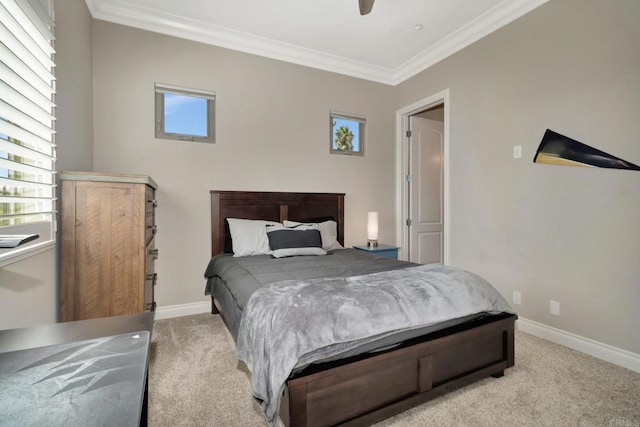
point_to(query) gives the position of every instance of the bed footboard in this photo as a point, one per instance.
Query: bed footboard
(362, 392)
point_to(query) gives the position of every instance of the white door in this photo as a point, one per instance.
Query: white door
(426, 192)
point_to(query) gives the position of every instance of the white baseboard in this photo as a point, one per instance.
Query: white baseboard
(593, 348)
(183, 310)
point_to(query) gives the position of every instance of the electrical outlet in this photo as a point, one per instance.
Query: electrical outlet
(517, 151)
(517, 298)
(554, 307)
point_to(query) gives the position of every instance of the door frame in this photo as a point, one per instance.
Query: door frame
(402, 169)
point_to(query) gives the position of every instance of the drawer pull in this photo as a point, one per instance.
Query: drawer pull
(152, 276)
(150, 306)
(154, 202)
(153, 228)
(154, 253)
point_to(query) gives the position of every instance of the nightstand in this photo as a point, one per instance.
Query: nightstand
(380, 250)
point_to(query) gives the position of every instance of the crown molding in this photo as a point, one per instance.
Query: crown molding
(160, 22)
(485, 24)
(177, 26)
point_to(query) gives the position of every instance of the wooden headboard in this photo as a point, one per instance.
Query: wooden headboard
(272, 206)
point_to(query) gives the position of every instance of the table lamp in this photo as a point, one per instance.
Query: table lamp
(372, 229)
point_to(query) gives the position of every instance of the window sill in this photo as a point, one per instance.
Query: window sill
(19, 254)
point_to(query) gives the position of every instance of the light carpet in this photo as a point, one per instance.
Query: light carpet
(196, 380)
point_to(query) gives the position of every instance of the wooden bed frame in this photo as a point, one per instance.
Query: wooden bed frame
(365, 389)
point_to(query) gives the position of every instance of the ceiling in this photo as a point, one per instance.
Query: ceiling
(385, 46)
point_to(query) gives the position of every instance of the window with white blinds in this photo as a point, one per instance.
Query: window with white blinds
(27, 119)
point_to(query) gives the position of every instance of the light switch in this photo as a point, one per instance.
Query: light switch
(517, 151)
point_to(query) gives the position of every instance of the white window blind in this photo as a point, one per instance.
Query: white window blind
(27, 118)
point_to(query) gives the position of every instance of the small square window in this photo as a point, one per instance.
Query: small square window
(185, 114)
(347, 134)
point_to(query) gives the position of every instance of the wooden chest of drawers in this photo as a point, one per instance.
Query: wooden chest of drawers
(108, 245)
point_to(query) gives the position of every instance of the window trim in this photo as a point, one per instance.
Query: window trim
(20, 253)
(161, 89)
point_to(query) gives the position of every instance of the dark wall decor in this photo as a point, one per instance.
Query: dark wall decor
(557, 149)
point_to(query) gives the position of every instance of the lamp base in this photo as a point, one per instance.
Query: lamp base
(372, 243)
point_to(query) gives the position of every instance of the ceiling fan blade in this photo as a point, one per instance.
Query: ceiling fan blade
(365, 6)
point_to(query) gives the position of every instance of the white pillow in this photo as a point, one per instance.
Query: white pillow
(249, 237)
(301, 226)
(328, 231)
(289, 252)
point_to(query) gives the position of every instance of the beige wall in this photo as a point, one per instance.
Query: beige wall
(74, 97)
(28, 288)
(552, 232)
(272, 134)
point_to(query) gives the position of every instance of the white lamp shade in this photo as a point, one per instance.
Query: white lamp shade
(372, 226)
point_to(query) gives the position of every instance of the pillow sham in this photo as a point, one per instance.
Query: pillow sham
(328, 231)
(249, 236)
(286, 242)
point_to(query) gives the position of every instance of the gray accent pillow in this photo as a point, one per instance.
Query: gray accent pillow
(286, 242)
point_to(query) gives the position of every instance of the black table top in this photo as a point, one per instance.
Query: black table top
(82, 373)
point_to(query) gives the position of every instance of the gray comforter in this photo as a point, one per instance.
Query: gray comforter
(232, 280)
(297, 322)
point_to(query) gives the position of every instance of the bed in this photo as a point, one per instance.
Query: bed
(372, 381)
